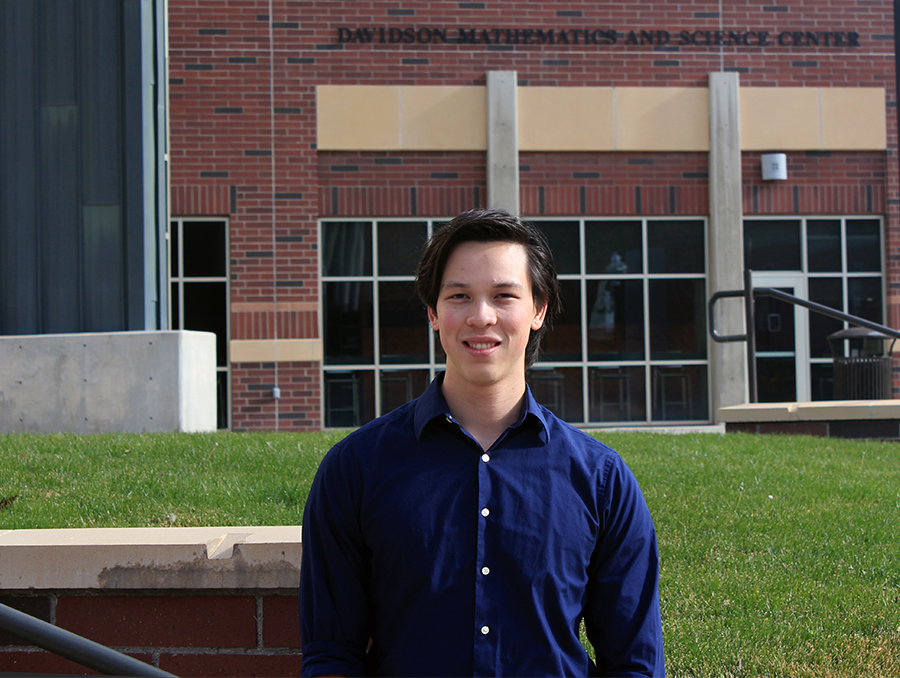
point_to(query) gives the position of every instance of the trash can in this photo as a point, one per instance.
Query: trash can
(863, 372)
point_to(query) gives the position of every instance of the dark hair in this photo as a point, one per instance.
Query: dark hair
(492, 225)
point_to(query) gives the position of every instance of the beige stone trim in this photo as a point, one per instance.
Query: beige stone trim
(270, 350)
(662, 119)
(633, 119)
(832, 410)
(374, 117)
(251, 306)
(151, 558)
(548, 115)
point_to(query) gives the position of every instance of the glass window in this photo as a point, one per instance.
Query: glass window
(613, 247)
(675, 247)
(823, 245)
(828, 292)
(629, 344)
(563, 341)
(617, 394)
(864, 298)
(348, 323)
(564, 242)
(400, 386)
(402, 324)
(348, 398)
(399, 246)
(558, 389)
(679, 392)
(347, 248)
(772, 245)
(204, 249)
(863, 245)
(677, 319)
(615, 310)
(199, 292)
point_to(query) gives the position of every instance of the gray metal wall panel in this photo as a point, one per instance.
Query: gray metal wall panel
(73, 225)
(19, 269)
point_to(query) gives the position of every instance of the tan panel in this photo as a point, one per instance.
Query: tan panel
(662, 119)
(779, 118)
(357, 117)
(566, 119)
(282, 351)
(434, 118)
(853, 118)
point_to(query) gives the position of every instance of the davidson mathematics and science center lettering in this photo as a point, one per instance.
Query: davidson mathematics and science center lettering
(587, 36)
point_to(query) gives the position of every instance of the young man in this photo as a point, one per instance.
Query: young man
(470, 531)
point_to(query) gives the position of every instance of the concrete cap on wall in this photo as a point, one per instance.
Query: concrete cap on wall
(151, 558)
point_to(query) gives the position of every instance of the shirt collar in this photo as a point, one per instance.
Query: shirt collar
(432, 406)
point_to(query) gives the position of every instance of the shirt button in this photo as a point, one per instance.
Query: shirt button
(485, 630)
(485, 458)
(485, 570)
(485, 512)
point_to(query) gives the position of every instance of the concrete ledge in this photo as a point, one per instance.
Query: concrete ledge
(151, 558)
(829, 410)
(878, 419)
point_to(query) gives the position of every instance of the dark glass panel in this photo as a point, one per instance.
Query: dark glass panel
(400, 386)
(615, 319)
(346, 248)
(774, 325)
(772, 245)
(823, 245)
(822, 376)
(617, 394)
(174, 308)
(349, 398)
(865, 298)
(403, 324)
(204, 249)
(558, 389)
(173, 249)
(677, 319)
(863, 245)
(563, 341)
(680, 392)
(206, 309)
(348, 323)
(676, 247)
(828, 292)
(613, 247)
(776, 379)
(564, 244)
(399, 246)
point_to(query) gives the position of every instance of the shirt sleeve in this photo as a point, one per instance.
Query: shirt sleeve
(622, 615)
(333, 574)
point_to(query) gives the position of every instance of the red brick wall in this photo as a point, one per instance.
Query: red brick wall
(185, 633)
(242, 111)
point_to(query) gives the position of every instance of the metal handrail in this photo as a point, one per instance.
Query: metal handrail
(749, 293)
(72, 646)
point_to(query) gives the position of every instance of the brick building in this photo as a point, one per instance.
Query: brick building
(314, 145)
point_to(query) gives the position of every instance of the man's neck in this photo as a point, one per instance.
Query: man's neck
(484, 411)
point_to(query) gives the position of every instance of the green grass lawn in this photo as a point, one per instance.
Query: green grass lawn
(780, 554)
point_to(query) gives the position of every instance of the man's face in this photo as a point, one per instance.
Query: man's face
(485, 313)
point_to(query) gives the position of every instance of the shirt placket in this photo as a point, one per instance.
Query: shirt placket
(485, 622)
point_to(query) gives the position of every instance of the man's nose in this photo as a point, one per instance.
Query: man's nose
(483, 314)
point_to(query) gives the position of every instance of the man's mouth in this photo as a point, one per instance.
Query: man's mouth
(479, 346)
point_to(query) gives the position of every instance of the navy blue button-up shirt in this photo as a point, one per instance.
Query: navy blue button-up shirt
(424, 555)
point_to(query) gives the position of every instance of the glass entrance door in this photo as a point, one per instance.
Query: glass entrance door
(782, 341)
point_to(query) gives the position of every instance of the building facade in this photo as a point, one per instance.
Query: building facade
(315, 145)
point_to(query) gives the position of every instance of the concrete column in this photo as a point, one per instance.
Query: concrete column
(728, 362)
(502, 141)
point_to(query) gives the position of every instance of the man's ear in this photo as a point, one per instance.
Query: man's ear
(538, 320)
(432, 318)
